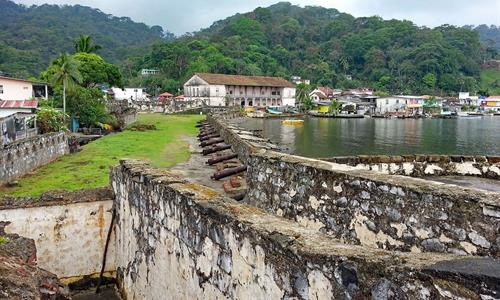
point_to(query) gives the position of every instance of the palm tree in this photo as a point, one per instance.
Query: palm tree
(66, 74)
(84, 44)
(335, 107)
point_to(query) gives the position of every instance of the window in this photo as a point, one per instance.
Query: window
(397, 101)
(386, 101)
(1, 89)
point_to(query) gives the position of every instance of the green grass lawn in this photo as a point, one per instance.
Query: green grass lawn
(488, 78)
(89, 168)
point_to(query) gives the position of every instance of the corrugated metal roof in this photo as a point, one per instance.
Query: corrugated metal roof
(19, 104)
(223, 79)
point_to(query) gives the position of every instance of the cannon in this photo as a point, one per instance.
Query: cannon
(211, 142)
(228, 172)
(219, 159)
(214, 149)
(208, 137)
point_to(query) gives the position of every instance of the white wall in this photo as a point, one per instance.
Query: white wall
(69, 238)
(289, 96)
(390, 104)
(129, 94)
(16, 89)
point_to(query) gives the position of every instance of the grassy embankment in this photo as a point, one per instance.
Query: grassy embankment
(88, 168)
(488, 79)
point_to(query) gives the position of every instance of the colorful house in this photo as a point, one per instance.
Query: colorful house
(491, 103)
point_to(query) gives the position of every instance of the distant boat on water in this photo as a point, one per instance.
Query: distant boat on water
(464, 114)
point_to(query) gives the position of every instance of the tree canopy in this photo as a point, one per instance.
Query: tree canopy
(327, 47)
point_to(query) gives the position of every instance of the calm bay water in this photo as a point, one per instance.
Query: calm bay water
(322, 137)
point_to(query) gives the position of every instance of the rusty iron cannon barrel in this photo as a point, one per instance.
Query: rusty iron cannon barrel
(207, 132)
(214, 149)
(208, 137)
(211, 142)
(222, 158)
(203, 125)
(228, 172)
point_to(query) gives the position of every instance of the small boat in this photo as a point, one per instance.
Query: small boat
(293, 122)
(464, 114)
(274, 111)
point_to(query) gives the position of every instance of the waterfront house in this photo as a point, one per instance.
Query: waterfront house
(129, 93)
(15, 89)
(491, 103)
(394, 105)
(238, 90)
(323, 93)
(466, 99)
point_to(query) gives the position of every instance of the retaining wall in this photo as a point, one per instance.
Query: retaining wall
(425, 165)
(24, 156)
(178, 240)
(69, 229)
(369, 208)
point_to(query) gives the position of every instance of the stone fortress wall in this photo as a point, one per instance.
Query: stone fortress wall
(179, 240)
(374, 208)
(19, 158)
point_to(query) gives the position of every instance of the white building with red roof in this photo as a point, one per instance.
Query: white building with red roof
(238, 90)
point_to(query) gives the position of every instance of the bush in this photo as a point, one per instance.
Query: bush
(50, 120)
(87, 105)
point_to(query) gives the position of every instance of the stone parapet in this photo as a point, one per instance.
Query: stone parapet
(179, 240)
(425, 165)
(19, 158)
(374, 209)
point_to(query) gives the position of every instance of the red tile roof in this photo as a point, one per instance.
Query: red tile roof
(19, 104)
(166, 95)
(180, 97)
(223, 79)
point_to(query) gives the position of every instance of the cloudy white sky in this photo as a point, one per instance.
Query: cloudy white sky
(180, 16)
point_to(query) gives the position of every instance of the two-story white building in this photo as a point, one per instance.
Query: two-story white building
(238, 90)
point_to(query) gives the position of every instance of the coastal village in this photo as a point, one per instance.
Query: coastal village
(257, 96)
(186, 174)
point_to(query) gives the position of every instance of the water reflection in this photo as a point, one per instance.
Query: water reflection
(321, 137)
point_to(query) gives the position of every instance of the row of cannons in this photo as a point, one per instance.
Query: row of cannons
(224, 159)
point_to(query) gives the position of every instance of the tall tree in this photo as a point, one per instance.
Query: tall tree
(66, 74)
(84, 45)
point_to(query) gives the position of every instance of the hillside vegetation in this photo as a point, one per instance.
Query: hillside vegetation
(325, 45)
(31, 37)
(490, 81)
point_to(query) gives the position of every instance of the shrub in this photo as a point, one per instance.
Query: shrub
(50, 120)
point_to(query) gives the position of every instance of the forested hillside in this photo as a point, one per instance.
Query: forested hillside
(325, 45)
(489, 35)
(31, 37)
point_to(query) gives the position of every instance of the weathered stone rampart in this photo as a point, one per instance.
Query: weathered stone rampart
(24, 156)
(178, 240)
(374, 209)
(425, 165)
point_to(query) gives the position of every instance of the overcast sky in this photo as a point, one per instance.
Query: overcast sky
(180, 16)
